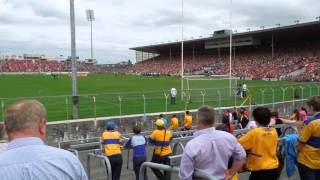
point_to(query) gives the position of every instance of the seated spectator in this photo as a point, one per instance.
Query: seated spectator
(27, 157)
(211, 150)
(138, 143)
(303, 114)
(309, 144)
(261, 144)
(174, 123)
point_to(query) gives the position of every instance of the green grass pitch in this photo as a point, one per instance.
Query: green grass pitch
(56, 93)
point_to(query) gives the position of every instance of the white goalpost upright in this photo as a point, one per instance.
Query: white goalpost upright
(182, 67)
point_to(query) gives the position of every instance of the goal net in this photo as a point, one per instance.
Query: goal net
(195, 86)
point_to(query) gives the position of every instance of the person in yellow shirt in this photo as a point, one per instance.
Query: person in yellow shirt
(261, 146)
(111, 140)
(161, 139)
(187, 121)
(174, 123)
(309, 144)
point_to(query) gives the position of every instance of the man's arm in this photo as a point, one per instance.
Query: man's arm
(239, 159)
(187, 164)
(236, 166)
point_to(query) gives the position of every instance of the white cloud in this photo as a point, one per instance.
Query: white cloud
(42, 26)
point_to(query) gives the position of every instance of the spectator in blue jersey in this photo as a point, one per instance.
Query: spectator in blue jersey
(138, 143)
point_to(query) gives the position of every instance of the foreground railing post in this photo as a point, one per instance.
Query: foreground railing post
(144, 108)
(166, 98)
(262, 95)
(302, 91)
(95, 124)
(203, 93)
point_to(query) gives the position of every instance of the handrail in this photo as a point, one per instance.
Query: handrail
(175, 145)
(278, 126)
(74, 151)
(197, 174)
(102, 157)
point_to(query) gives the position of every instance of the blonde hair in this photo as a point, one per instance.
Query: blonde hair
(24, 115)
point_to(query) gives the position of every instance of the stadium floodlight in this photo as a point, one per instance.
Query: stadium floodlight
(75, 97)
(262, 27)
(278, 24)
(248, 29)
(296, 21)
(235, 31)
(318, 17)
(90, 18)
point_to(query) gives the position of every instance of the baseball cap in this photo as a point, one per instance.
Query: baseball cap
(110, 124)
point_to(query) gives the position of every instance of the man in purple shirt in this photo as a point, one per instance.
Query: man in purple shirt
(210, 150)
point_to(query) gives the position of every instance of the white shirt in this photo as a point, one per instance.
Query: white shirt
(173, 92)
(3, 147)
(244, 87)
(251, 124)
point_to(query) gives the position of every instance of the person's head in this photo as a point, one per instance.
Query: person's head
(262, 116)
(296, 112)
(313, 105)
(25, 118)
(205, 117)
(159, 124)
(136, 129)
(187, 112)
(161, 116)
(242, 110)
(173, 116)
(225, 120)
(110, 125)
(304, 109)
(275, 115)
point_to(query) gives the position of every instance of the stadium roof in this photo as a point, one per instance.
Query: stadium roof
(290, 32)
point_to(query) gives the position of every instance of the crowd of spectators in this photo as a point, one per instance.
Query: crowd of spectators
(42, 66)
(245, 63)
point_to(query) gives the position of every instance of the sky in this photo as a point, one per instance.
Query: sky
(42, 26)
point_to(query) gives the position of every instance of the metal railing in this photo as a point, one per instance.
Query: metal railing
(196, 174)
(102, 158)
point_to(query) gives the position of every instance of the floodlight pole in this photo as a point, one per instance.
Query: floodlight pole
(182, 68)
(75, 97)
(230, 67)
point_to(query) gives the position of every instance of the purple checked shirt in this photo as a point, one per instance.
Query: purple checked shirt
(209, 151)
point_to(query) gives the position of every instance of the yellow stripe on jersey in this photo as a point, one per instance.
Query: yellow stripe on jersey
(111, 141)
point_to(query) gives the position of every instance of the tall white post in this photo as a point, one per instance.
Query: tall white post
(182, 68)
(230, 66)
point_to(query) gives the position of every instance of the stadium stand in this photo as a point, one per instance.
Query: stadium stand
(13, 65)
(289, 52)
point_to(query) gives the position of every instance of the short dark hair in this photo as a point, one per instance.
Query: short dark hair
(187, 112)
(206, 115)
(314, 102)
(262, 115)
(275, 114)
(136, 129)
(161, 115)
(174, 116)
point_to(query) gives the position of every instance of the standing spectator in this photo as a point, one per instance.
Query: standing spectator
(244, 120)
(161, 138)
(174, 123)
(309, 144)
(164, 119)
(187, 121)
(261, 144)
(173, 95)
(211, 150)
(27, 157)
(111, 140)
(138, 142)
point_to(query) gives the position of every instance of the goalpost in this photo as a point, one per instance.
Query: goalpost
(197, 82)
